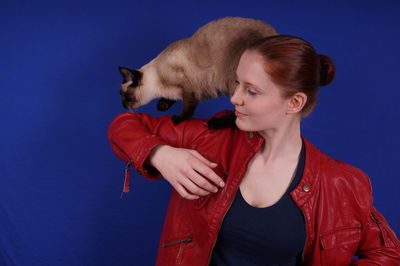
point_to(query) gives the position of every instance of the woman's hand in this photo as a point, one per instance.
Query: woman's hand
(186, 170)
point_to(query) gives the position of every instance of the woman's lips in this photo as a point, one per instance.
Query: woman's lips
(239, 114)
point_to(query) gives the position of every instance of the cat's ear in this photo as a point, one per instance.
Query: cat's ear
(130, 75)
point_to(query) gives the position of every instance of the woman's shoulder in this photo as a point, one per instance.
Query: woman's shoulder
(339, 183)
(344, 176)
(338, 174)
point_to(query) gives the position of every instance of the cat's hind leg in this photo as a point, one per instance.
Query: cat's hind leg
(189, 106)
(164, 104)
(225, 121)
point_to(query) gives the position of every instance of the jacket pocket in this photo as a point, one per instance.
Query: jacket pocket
(200, 202)
(339, 246)
(340, 236)
(179, 246)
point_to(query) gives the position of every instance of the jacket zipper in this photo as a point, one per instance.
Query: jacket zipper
(223, 217)
(376, 220)
(227, 209)
(121, 150)
(379, 223)
(179, 256)
(172, 243)
(125, 188)
(219, 228)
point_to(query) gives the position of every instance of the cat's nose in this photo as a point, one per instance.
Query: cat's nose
(126, 100)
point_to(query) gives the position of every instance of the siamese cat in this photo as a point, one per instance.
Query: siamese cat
(193, 69)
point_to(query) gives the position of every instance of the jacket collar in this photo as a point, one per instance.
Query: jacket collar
(309, 181)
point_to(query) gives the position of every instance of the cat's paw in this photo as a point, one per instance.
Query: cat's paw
(164, 104)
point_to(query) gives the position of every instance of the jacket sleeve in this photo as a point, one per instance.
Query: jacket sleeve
(133, 135)
(379, 244)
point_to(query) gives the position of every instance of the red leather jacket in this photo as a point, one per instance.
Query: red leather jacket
(334, 197)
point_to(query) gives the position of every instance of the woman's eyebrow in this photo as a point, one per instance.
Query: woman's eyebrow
(247, 83)
(253, 85)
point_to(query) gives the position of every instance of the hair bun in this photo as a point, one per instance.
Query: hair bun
(327, 70)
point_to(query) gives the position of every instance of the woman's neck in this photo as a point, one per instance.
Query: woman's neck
(283, 143)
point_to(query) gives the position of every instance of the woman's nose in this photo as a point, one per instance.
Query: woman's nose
(236, 98)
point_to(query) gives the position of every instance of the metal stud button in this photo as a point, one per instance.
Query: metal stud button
(306, 187)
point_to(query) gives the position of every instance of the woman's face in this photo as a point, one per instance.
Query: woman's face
(258, 102)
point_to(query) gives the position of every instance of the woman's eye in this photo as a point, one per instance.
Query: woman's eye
(251, 92)
(236, 85)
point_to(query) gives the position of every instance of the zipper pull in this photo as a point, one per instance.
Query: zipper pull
(179, 256)
(127, 178)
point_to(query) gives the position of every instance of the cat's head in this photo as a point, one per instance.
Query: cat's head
(130, 88)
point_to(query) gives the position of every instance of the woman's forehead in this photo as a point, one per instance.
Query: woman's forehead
(251, 69)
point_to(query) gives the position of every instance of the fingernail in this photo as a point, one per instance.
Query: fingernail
(221, 184)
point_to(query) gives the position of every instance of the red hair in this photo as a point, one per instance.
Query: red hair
(294, 65)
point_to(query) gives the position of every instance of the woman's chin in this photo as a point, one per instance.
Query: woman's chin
(242, 125)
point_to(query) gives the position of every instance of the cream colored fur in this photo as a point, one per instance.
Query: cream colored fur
(200, 67)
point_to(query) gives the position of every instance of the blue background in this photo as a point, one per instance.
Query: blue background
(60, 183)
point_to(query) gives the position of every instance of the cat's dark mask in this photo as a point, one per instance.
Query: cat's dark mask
(127, 91)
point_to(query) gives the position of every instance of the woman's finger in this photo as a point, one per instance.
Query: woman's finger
(201, 181)
(191, 186)
(205, 171)
(184, 193)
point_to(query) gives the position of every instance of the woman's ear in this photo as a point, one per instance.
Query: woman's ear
(296, 102)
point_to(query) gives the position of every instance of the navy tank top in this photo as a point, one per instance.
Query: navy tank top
(274, 235)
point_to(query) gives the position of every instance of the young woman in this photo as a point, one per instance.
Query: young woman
(259, 193)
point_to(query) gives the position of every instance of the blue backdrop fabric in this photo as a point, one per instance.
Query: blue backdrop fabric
(60, 183)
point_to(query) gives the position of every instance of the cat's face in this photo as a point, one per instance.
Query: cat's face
(130, 88)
